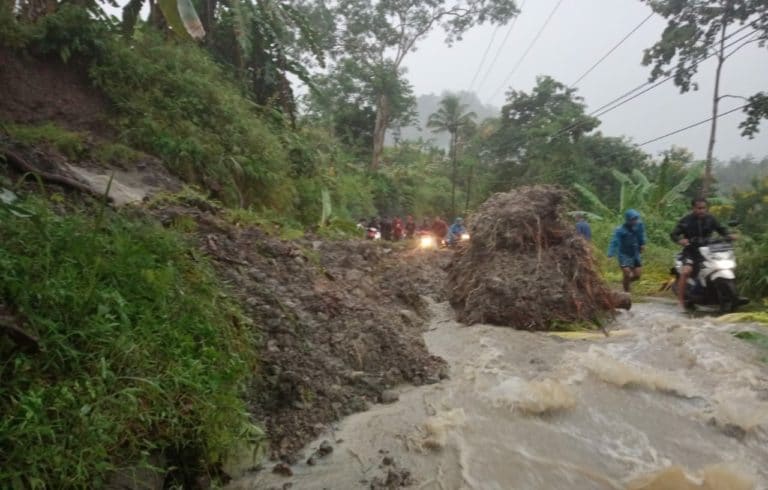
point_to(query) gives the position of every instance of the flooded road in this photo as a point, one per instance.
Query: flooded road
(664, 402)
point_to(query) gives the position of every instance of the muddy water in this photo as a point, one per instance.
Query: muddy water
(664, 402)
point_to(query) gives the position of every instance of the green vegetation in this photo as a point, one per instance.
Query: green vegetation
(206, 131)
(140, 351)
(758, 339)
(143, 352)
(67, 142)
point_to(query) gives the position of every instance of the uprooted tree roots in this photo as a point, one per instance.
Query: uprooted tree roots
(526, 268)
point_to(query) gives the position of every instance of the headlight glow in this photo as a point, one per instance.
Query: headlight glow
(427, 241)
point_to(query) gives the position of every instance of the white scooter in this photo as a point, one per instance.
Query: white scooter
(713, 282)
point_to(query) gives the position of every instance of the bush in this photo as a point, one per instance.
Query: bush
(69, 32)
(752, 271)
(175, 102)
(141, 352)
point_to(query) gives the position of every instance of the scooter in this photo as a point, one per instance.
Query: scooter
(454, 241)
(713, 282)
(372, 233)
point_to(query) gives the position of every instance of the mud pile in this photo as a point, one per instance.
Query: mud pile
(525, 267)
(340, 322)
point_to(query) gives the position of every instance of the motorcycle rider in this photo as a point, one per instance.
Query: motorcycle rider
(397, 229)
(455, 231)
(386, 229)
(697, 225)
(439, 228)
(425, 225)
(410, 227)
(627, 243)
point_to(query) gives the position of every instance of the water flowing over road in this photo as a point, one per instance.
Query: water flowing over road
(664, 402)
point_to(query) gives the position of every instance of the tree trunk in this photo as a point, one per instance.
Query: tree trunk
(706, 184)
(380, 130)
(207, 17)
(469, 187)
(454, 137)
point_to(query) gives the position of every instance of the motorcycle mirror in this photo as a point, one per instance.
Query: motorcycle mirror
(734, 222)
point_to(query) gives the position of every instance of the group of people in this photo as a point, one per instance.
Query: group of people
(394, 229)
(629, 239)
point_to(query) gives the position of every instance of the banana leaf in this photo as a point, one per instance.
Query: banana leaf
(182, 18)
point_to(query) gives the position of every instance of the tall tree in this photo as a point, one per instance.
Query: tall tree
(380, 33)
(697, 29)
(452, 117)
(345, 99)
(539, 135)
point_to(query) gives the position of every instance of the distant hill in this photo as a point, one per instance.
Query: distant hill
(428, 104)
(738, 173)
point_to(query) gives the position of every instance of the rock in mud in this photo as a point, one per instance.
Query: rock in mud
(395, 478)
(389, 396)
(325, 449)
(282, 469)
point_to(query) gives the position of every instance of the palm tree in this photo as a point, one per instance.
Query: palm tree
(451, 117)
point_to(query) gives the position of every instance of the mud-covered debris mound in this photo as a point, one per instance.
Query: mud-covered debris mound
(341, 322)
(525, 267)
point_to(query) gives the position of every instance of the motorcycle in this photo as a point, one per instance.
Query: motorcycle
(461, 239)
(713, 281)
(427, 240)
(372, 233)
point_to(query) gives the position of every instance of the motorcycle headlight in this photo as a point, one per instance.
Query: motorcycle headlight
(427, 241)
(465, 236)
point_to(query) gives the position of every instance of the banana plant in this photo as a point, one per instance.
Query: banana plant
(637, 191)
(180, 15)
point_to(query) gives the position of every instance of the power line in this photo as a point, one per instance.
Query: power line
(529, 48)
(599, 112)
(633, 94)
(482, 60)
(501, 46)
(691, 126)
(606, 55)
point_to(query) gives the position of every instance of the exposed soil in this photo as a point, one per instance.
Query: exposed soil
(47, 90)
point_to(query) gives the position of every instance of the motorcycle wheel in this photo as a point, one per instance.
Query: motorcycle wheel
(728, 298)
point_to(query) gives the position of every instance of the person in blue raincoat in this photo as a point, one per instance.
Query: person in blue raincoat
(455, 231)
(627, 243)
(582, 227)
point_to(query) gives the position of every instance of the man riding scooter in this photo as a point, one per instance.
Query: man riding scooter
(455, 232)
(690, 232)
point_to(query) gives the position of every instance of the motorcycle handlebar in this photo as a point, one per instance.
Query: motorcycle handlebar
(699, 241)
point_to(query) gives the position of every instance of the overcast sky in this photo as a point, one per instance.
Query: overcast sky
(580, 32)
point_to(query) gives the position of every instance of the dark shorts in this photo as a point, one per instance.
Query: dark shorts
(691, 256)
(629, 261)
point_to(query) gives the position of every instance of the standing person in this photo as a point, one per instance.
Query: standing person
(696, 225)
(426, 225)
(627, 243)
(386, 229)
(439, 228)
(410, 227)
(397, 228)
(582, 227)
